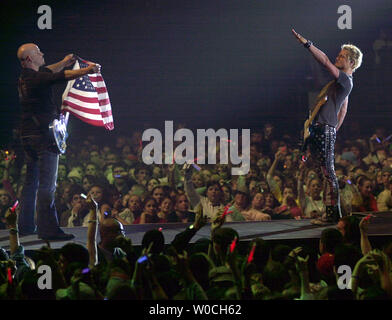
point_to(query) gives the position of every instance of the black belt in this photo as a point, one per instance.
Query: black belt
(319, 124)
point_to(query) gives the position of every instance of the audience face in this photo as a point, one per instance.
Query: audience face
(288, 192)
(258, 201)
(263, 185)
(111, 159)
(142, 175)
(240, 200)
(379, 177)
(366, 188)
(166, 205)
(5, 198)
(341, 227)
(269, 200)
(197, 180)
(67, 194)
(223, 171)
(134, 203)
(206, 175)
(385, 178)
(288, 162)
(182, 204)
(151, 184)
(311, 175)
(214, 194)
(119, 173)
(87, 184)
(77, 200)
(256, 137)
(278, 181)
(158, 195)
(97, 193)
(91, 170)
(137, 190)
(226, 194)
(62, 172)
(157, 172)
(314, 188)
(356, 151)
(125, 200)
(150, 207)
(95, 157)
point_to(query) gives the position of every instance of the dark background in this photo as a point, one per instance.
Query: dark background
(231, 63)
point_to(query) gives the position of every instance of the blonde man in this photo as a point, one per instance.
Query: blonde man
(331, 115)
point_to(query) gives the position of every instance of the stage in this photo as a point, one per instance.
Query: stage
(380, 228)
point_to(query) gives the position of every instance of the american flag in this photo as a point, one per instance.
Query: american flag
(87, 98)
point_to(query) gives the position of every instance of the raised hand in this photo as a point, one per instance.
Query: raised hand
(69, 60)
(91, 203)
(11, 218)
(94, 68)
(218, 221)
(363, 225)
(200, 220)
(300, 38)
(301, 264)
(294, 253)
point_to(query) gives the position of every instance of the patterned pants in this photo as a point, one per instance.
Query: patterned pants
(322, 145)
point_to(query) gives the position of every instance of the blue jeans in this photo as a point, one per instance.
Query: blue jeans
(39, 188)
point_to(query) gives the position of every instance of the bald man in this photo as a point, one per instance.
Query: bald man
(109, 230)
(41, 155)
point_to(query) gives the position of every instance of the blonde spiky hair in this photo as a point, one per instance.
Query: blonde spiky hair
(354, 54)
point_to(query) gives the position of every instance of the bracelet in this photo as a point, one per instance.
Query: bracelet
(92, 221)
(13, 231)
(308, 44)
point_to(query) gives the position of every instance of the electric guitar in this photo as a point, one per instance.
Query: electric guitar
(58, 131)
(309, 121)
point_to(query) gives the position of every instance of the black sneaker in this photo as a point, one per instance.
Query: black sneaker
(58, 237)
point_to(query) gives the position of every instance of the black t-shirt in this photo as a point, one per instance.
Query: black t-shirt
(337, 92)
(36, 99)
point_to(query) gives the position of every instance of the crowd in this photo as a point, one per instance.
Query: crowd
(122, 190)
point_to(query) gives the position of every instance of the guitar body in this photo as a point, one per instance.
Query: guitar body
(58, 132)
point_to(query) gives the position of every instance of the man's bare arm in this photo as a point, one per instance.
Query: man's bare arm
(320, 56)
(68, 60)
(342, 113)
(73, 74)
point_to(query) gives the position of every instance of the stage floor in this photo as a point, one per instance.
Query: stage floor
(381, 225)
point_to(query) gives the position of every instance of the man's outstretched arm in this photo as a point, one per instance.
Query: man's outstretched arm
(320, 56)
(68, 61)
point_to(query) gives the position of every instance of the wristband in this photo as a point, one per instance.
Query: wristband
(92, 221)
(308, 44)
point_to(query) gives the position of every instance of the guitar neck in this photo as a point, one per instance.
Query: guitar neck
(316, 109)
